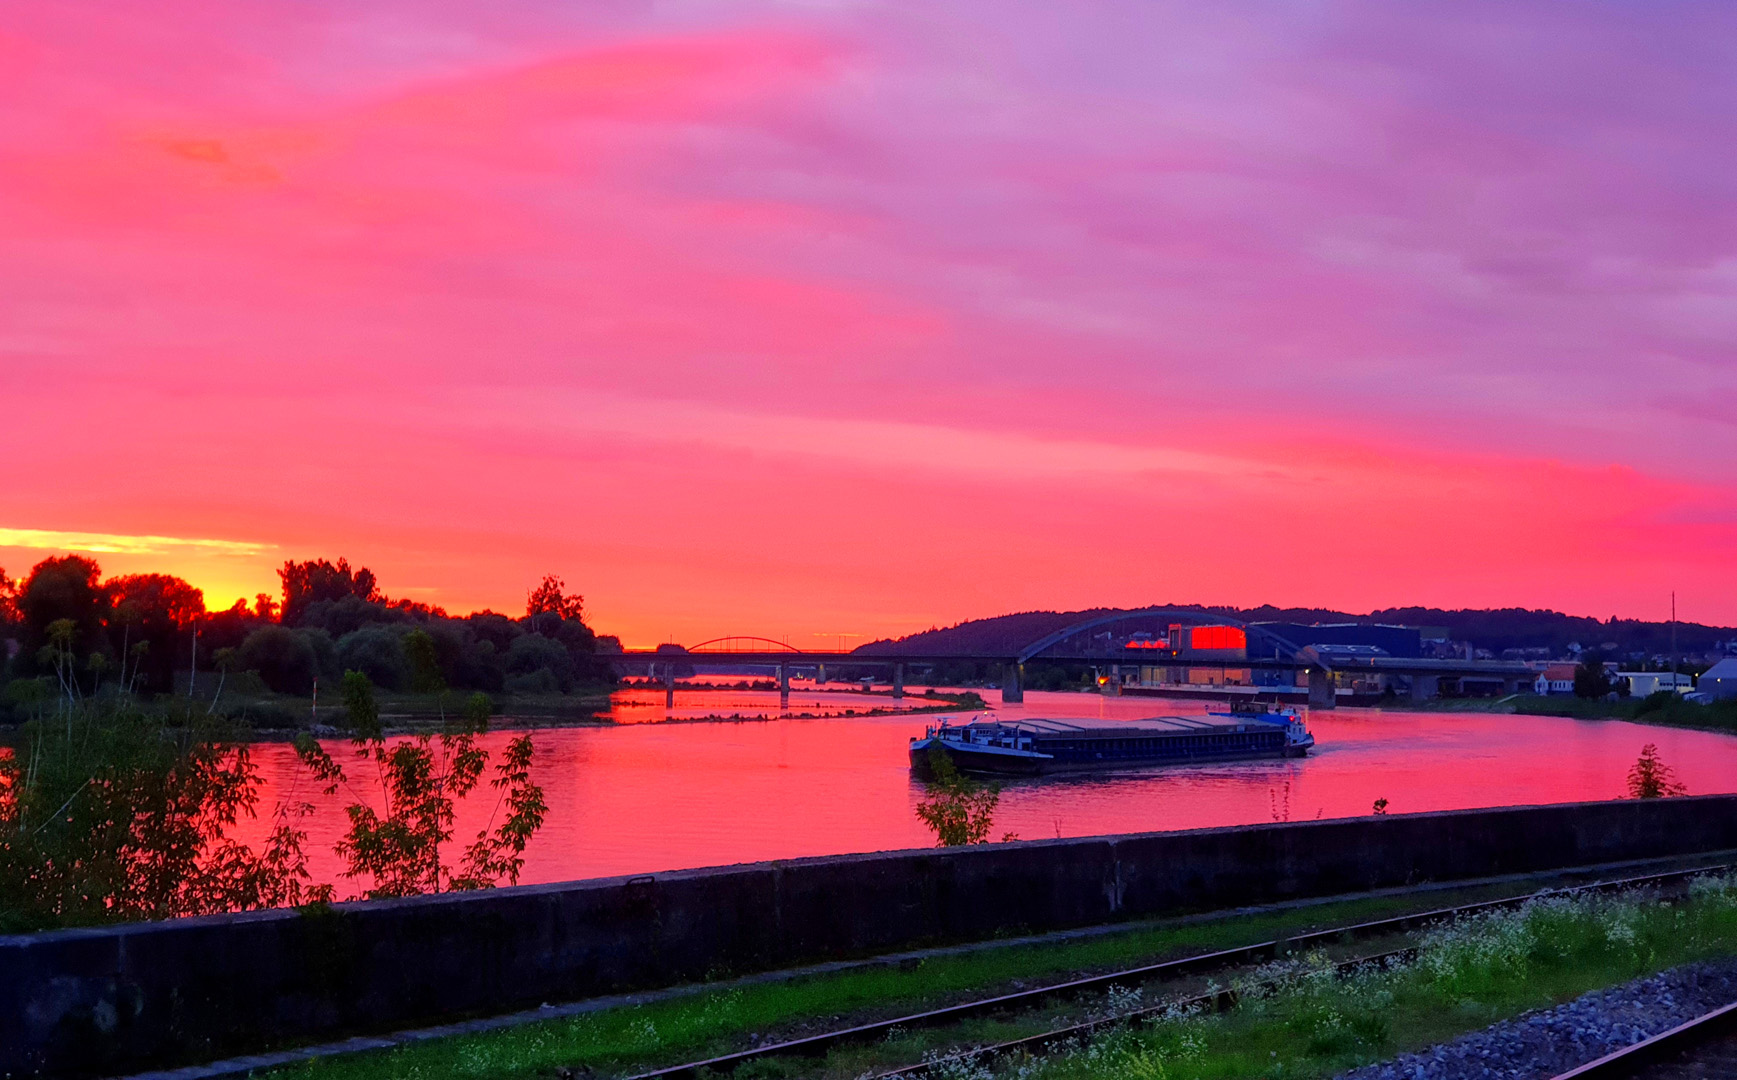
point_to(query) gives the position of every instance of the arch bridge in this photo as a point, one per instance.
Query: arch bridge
(1098, 640)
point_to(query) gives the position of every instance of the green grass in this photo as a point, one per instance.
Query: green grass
(628, 1038)
(1467, 977)
(1665, 709)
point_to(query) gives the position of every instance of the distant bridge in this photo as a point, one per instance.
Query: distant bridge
(1079, 644)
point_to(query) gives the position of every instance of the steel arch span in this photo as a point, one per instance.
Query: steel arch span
(1179, 614)
(731, 641)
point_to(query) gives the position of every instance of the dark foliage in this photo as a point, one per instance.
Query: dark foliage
(1651, 778)
(287, 660)
(377, 653)
(544, 662)
(66, 588)
(306, 583)
(143, 633)
(349, 614)
(152, 620)
(1590, 680)
(112, 811)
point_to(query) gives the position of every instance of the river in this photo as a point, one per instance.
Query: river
(644, 795)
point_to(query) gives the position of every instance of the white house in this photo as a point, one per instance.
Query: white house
(1720, 680)
(1555, 679)
(1646, 683)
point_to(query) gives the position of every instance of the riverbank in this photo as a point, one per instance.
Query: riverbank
(273, 717)
(1664, 710)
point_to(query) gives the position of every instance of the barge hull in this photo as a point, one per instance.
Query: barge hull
(994, 765)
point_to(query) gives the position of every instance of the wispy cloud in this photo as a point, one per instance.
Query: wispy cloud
(124, 544)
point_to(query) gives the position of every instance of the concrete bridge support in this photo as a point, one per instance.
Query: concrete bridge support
(1510, 687)
(669, 672)
(820, 676)
(783, 686)
(1013, 684)
(898, 681)
(1322, 694)
(1424, 687)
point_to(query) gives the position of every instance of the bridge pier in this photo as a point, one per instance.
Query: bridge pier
(783, 686)
(1012, 684)
(669, 672)
(1510, 687)
(1321, 690)
(820, 676)
(1424, 687)
(898, 681)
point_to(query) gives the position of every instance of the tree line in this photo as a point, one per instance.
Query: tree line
(147, 633)
(120, 794)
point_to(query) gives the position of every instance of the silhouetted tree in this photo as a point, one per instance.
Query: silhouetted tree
(549, 598)
(152, 619)
(1651, 778)
(285, 659)
(64, 588)
(1590, 680)
(537, 663)
(8, 601)
(422, 658)
(307, 582)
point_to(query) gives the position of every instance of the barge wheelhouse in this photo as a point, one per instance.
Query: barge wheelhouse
(1032, 747)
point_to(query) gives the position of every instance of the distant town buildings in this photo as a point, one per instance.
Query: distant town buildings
(1555, 679)
(1719, 681)
(1647, 683)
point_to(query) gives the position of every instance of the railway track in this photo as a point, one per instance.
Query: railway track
(1701, 1048)
(819, 1045)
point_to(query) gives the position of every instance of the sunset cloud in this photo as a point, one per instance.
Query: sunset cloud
(117, 544)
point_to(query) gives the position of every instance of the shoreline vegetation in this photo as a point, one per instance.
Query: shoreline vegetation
(1661, 710)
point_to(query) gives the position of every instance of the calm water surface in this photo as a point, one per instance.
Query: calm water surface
(645, 796)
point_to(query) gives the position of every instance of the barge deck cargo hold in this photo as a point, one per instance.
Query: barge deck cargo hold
(1033, 747)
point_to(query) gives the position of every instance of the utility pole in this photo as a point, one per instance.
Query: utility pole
(1676, 659)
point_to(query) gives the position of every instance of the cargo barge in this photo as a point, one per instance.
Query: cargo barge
(1036, 747)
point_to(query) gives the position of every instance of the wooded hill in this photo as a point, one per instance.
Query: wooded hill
(1494, 629)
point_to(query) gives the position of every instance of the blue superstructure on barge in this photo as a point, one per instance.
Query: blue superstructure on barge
(1032, 747)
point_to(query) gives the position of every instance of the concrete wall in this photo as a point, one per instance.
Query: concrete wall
(120, 997)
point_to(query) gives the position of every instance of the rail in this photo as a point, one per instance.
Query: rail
(817, 1045)
(1676, 1052)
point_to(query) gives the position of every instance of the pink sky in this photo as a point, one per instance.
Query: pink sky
(857, 318)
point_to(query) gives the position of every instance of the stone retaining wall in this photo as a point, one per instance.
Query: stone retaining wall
(122, 997)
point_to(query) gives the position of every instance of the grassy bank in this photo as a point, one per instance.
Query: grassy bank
(1467, 977)
(1666, 710)
(627, 1039)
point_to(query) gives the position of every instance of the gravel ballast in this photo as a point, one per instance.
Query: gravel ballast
(1550, 1041)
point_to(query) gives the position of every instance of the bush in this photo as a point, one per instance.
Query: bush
(120, 812)
(346, 616)
(540, 681)
(532, 652)
(286, 660)
(375, 652)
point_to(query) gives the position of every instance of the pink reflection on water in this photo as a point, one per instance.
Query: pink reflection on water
(642, 797)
